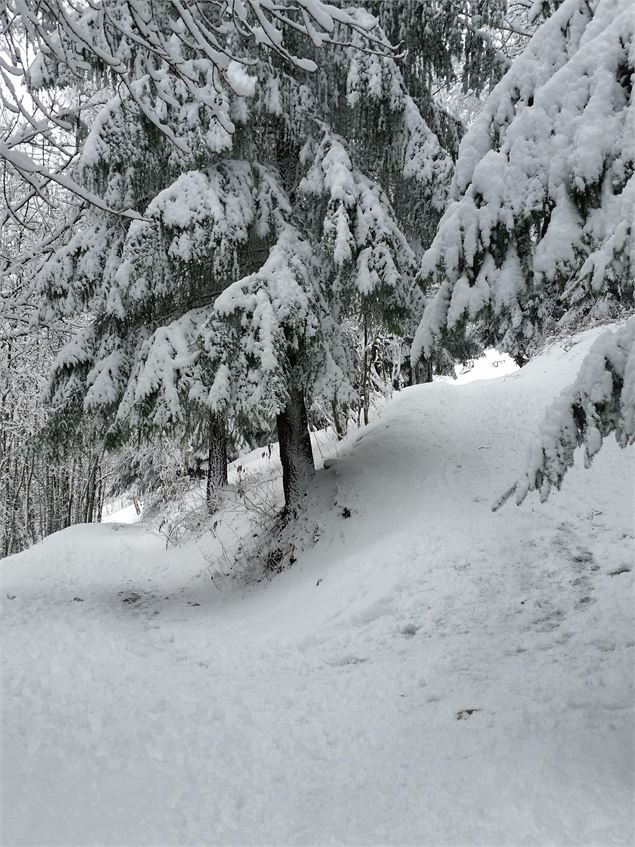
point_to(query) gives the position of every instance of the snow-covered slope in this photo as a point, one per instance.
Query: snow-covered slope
(430, 672)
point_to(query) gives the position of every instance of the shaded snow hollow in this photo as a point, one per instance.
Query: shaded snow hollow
(428, 673)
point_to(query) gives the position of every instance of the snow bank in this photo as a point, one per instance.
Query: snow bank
(428, 672)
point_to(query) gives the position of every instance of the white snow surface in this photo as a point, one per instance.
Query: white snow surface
(122, 514)
(491, 365)
(428, 672)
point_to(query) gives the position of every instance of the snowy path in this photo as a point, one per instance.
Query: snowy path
(429, 673)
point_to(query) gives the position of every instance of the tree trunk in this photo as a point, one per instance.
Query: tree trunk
(296, 455)
(339, 420)
(28, 518)
(99, 500)
(216, 460)
(424, 371)
(366, 374)
(90, 493)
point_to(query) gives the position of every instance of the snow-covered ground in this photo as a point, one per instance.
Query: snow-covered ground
(491, 365)
(121, 513)
(429, 672)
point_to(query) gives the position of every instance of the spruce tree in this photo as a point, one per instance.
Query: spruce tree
(538, 236)
(206, 183)
(226, 202)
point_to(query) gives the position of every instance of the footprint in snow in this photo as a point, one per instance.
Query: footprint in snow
(349, 660)
(129, 597)
(464, 714)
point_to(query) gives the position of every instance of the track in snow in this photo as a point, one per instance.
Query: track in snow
(456, 677)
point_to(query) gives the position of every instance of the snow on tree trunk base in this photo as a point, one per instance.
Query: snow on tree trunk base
(216, 460)
(296, 455)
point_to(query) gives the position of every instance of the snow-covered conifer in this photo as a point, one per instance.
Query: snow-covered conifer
(371, 272)
(205, 183)
(538, 236)
(215, 226)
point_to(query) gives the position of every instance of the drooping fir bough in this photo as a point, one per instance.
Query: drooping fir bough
(538, 236)
(600, 401)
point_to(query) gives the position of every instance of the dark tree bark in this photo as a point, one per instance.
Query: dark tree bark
(366, 374)
(99, 501)
(339, 420)
(89, 511)
(216, 460)
(423, 371)
(296, 455)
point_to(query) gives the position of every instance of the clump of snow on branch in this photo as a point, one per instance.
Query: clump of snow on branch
(359, 226)
(374, 78)
(165, 374)
(267, 325)
(199, 221)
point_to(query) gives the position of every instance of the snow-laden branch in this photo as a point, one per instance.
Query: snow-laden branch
(31, 170)
(186, 50)
(600, 401)
(543, 199)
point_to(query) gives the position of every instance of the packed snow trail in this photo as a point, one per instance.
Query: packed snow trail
(429, 672)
